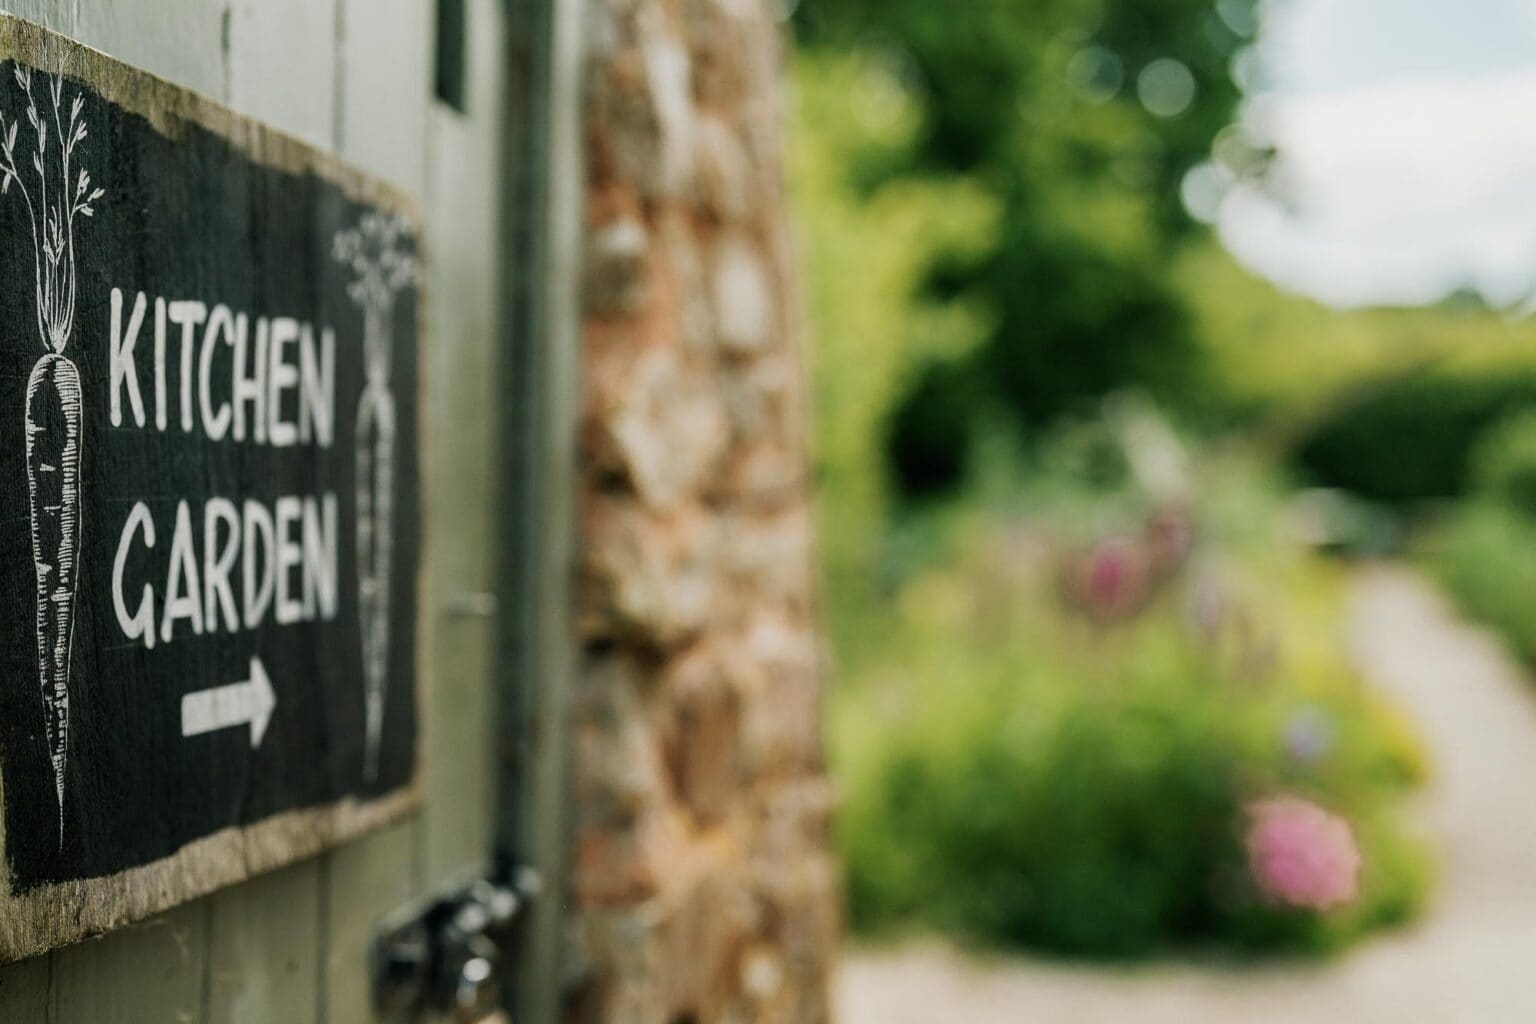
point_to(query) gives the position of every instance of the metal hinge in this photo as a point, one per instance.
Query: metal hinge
(442, 958)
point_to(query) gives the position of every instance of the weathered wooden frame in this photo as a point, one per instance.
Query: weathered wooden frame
(52, 916)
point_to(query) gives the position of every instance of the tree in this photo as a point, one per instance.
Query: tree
(1081, 118)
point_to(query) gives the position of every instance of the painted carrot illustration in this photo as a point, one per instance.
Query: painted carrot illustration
(374, 252)
(57, 193)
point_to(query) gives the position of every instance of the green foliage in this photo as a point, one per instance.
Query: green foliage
(1386, 403)
(868, 250)
(992, 247)
(1013, 814)
(1483, 550)
(1484, 555)
(1016, 775)
(933, 430)
(1037, 106)
(1504, 463)
(1412, 437)
(1010, 80)
(1282, 362)
(1080, 322)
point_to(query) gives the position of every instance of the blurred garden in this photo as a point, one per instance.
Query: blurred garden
(1094, 495)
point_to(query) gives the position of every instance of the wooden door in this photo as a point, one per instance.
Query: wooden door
(369, 80)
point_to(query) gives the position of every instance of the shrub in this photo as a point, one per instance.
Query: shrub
(1483, 552)
(931, 430)
(1484, 555)
(1411, 438)
(1018, 773)
(1504, 463)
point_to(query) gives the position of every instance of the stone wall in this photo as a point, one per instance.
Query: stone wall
(702, 886)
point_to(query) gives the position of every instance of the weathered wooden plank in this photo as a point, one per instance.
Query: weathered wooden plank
(58, 15)
(463, 204)
(384, 131)
(363, 881)
(264, 950)
(25, 989)
(265, 944)
(282, 64)
(386, 67)
(151, 971)
(179, 40)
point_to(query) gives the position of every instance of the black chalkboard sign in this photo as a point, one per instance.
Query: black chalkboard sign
(209, 494)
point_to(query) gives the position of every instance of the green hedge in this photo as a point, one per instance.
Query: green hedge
(1484, 555)
(1504, 463)
(1483, 551)
(1411, 439)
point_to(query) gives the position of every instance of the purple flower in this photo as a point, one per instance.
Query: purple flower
(1309, 734)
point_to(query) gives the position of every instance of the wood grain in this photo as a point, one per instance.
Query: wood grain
(26, 989)
(463, 202)
(363, 881)
(386, 48)
(282, 65)
(58, 15)
(372, 876)
(264, 949)
(151, 971)
(182, 41)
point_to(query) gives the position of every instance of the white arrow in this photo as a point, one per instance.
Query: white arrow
(220, 707)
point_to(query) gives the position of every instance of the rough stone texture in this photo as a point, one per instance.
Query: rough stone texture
(702, 887)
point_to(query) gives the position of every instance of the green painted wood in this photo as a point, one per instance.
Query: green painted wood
(463, 208)
(58, 15)
(25, 990)
(265, 937)
(386, 48)
(179, 40)
(381, 95)
(282, 65)
(151, 971)
(264, 949)
(363, 881)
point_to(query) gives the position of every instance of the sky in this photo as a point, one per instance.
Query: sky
(1407, 133)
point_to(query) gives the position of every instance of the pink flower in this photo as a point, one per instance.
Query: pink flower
(1300, 854)
(1112, 581)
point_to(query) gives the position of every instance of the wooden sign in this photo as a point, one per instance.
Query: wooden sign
(209, 495)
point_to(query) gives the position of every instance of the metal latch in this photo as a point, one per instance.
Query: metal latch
(443, 956)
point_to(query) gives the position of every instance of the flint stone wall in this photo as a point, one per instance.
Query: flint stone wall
(702, 887)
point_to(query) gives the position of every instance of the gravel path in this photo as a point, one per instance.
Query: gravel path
(1471, 959)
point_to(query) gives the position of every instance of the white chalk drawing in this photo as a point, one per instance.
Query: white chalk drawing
(248, 703)
(56, 191)
(381, 266)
